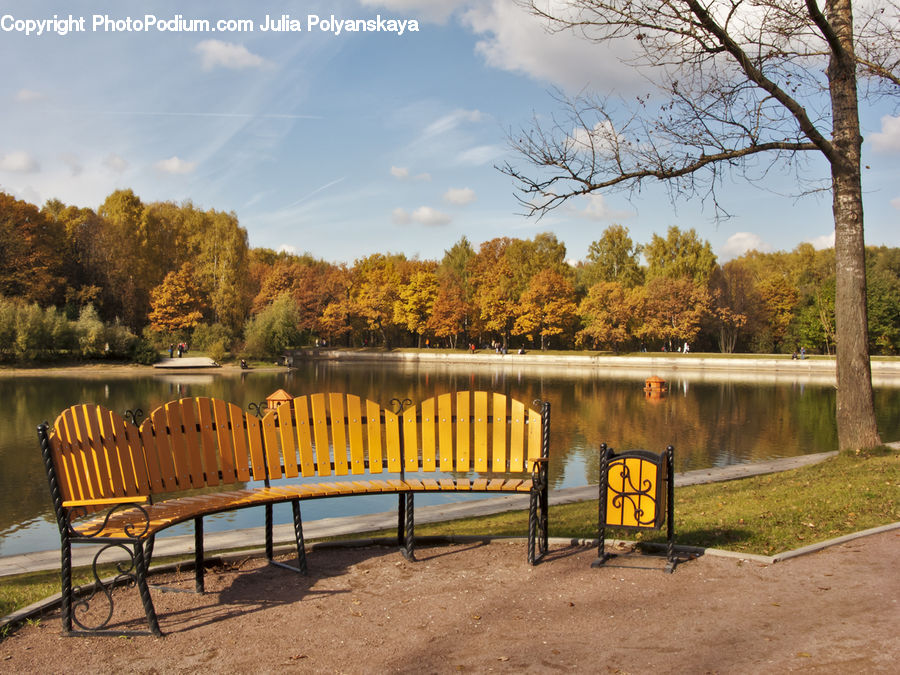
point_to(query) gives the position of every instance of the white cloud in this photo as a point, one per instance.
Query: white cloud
(896, 203)
(19, 162)
(741, 242)
(287, 248)
(28, 96)
(425, 215)
(401, 216)
(215, 53)
(72, 161)
(451, 121)
(460, 196)
(888, 139)
(481, 154)
(825, 241)
(514, 40)
(175, 165)
(115, 163)
(428, 10)
(597, 209)
(602, 139)
(402, 173)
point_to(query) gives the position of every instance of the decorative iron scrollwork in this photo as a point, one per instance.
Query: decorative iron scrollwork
(633, 494)
(126, 574)
(134, 529)
(400, 405)
(134, 416)
(258, 409)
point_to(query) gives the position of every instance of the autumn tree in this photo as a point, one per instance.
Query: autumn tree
(221, 262)
(613, 257)
(176, 304)
(134, 253)
(547, 307)
(608, 315)
(779, 299)
(735, 303)
(679, 254)
(526, 258)
(31, 254)
(738, 83)
(671, 310)
(494, 295)
(415, 302)
(376, 283)
(84, 260)
(450, 312)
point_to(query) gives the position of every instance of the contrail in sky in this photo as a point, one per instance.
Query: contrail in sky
(314, 192)
(150, 113)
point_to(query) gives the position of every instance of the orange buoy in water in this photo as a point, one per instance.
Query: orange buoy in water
(655, 387)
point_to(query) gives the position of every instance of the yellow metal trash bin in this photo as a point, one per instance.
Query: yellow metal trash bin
(636, 492)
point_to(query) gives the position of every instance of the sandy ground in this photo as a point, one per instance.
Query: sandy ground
(480, 608)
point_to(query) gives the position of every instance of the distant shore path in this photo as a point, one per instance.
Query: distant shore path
(885, 371)
(699, 367)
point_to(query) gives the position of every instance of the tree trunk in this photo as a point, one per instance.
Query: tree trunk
(856, 425)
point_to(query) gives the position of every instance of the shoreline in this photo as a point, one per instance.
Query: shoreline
(701, 367)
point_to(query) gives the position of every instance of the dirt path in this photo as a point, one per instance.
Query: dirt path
(481, 608)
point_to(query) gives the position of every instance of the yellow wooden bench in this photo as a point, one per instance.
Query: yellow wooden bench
(118, 485)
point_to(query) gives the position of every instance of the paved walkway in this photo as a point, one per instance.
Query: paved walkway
(333, 527)
(187, 362)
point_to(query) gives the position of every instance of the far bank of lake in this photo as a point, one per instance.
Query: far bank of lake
(711, 367)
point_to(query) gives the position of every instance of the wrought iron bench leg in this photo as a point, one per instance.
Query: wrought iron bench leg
(66, 574)
(406, 526)
(141, 565)
(270, 546)
(301, 566)
(532, 526)
(199, 569)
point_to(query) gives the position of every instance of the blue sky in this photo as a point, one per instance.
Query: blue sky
(351, 144)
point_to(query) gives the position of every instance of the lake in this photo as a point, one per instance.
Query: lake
(711, 423)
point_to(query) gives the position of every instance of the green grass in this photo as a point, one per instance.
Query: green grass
(763, 514)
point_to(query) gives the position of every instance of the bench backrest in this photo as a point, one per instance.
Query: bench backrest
(184, 444)
(201, 442)
(340, 434)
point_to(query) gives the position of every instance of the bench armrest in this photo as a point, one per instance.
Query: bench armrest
(106, 501)
(134, 529)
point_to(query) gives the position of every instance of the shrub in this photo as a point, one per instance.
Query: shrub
(144, 352)
(274, 329)
(90, 333)
(208, 336)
